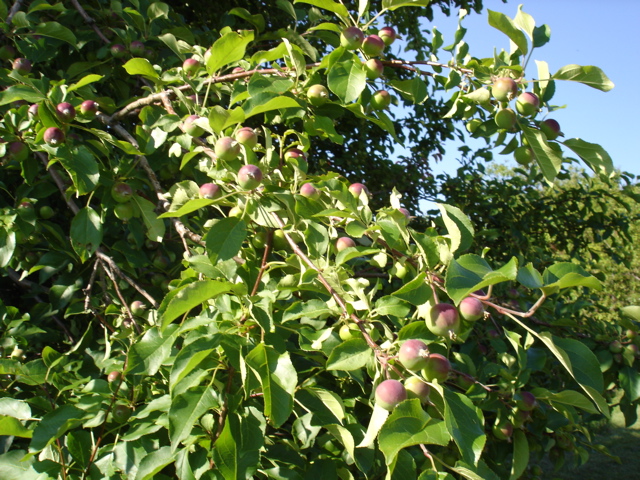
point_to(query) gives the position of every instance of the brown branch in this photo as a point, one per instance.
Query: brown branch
(90, 21)
(116, 269)
(111, 275)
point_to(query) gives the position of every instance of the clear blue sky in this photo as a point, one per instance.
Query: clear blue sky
(585, 32)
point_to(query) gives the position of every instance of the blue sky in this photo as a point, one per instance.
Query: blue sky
(585, 32)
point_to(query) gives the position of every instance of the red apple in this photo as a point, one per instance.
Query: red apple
(89, 108)
(309, 191)
(373, 68)
(437, 368)
(249, 177)
(504, 89)
(53, 136)
(344, 242)
(351, 38)
(210, 191)
(390, 393)
(373, 46)
(190, 66)
(380, 100)
(247, 136)
(118, 50)
(413, 354)
(191, 127)
(66, 112)
(443, 320)
(22, 66)
(388, 35)
(527, 104)
(227, 148)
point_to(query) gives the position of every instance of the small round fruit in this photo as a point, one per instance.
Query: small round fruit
(347, 332)
(190, 66)
(121, 192)
(527, 104)
(137, 48)
(191, 128)
(344, 242)
(373, 46)
(380, 100)
(210, 191)
(413, 354)
(388, 35)
(503, 431)
(390, 393)
(525, 401)
(615, 346)
(443, 320)
(417, 388)
(236, 211)
(114, 376)
(117, 50)
(471, 309)
(523, 155)
(124, 211)
(373, 68)
(351, 38)
(53, 136)
(504, 89)
(437, 368)
(357, 188)
(247, 136)
(309, 191)
(249, 177)
(18, 151)
(121, 413)
(295, 153)
(551, 128)
(22, 66)
(505, 118)
(33, 110)
(66, 112)
(317, 95)
(227, 148)
(88, 108)
(138, 307)
(46, 212)
(472, 125)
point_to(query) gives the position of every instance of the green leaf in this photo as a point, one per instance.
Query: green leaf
(541, 35)
(416, 292)
(86, 233)
(632, 311)
(278, 378)
(18, 465)
(18, 409)
(395, 4)
(530, 277)
(186, 409)
(155, 226)
(573, 398)
(392, 306)
(13, 427)
(549, 160)
(84, 81)
(256, 20)
(503, 23)
(630, 383)
(458, 226)
(186, 297)
(224, 240)
(347, 79)
(140, 66)
(329, 5)
(350, 355)
(465, 423)
(566, 275)
(190, 357)
(414, 90)
(428, 248)
(472, 272)
(20, 92)
(55, 424)
(326, 407)
(147, 354)
(154, 462)
(189, 207)
(276, 103)
(592, 154)
(520, 454)
(55, 30)
(236, 453)
(311, 309)
(228, 49)
(589, 75)
(82, 167)
(7, 246)
(354, 252)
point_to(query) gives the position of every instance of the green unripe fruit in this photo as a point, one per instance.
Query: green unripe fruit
(118, 51)
(523, 155)
(309, 191)
(88, 108)
(190, 66)
(191, 127)
(121, 192)
(227, 148)
(503, 430)
(527, 104)
(550, 128)
(413, 354)
(390, 393)
(249, 177)
(247, 136)
(138, 308)
(210, 191)
(22, 66)
(437, 368)
(417, 388)
(472, 125)
(137, 48)
(388, 35)
(443, 320)
(504, 89)
(46, 212)
(373, 68)
(124, 211)
(121, 413)
(615, 346)
(18, 151)
(347, 332)
(236, 212)
(373, 46)
(317, 95)
(471, 309)
(380, 100)
(351, 38)
(525, 401)
(505, 118)
(344, 242)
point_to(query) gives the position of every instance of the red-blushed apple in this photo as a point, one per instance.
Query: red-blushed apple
(137, 307)
(191, 66)
(124, 211)
(309, 191)
(137, 48)
(504, 89)
(249, 177)
(405, 212)
(523, 155)
(18, 151)
(191, 128)
(505, 118)
(380, 100)
(373, 68)
(525, 401)
(351, 38)
(227, 148)
(317, 95)
(357, 188)
(210, 191)
(502, 430)
(117, 50)
(297, 157)
(66, 112)
(388, 35)
(7, 52)
(615, 346)
(121, 192)
(413, 354)
(417, 388)
(443, 320)
(344, 242)
(121, 413)
(114, 376)
(248, 137)
(389, 393)
(471, 309)
(373, 46)
(551, 128)
(33, 110)
(527, 104)
(88, 109)
(22, 66)
(53, 136)
(437, 368)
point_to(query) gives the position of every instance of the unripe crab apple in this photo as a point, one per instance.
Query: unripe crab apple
(504, 89)
(351, 38)
(615, 346)
(66, 112)
(33, 110)
(53, 136)
(503, 430)
(121, 192)
(437, 368)
(123, 211)
(117, 50)
(551, 128)
(380, 100)
(349, 332)
(114, 376)
(388, 35)
(523, 155)
(390, 393)
(18, 151)
(247, 136)
(191, 127)
(249, 177)
(22, 66)
(227, 148)
(505, 118)
(357, 188)
(46, 212)
(373, 46)
(373, 68)
(121, 413)
(309, 191)
(443, 320)
(210, 191)
(344, 242)
(525, 401)
(527, 104)
(137, 48)
(190, 66)
(7, 52)
(413, 354)
(405, 212)
(88, 108)
(417, 388)
(137, 307)
(299, 158)
(317, 95)
(471, 309)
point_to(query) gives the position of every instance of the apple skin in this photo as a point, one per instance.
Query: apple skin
(471, 309)
(123, 211)
(46, 212)
(309, 191)
(227, 148)
(22, 66)
(417, 388)
(413, 354)
(191, 128)
(210, 191)
(443, 320)
(66, 112)
(114, 376)
(317, 95)
(615, 346)
(389, 393)
(18, 151)
(405, 212)
(247, 136)
(357, 188)
(33, 110)
(121, 192)
(117, 50)
(527, 104)
(137, 48)
(249, 177)
(373, 46)
(351, 38)
(89, 108)
(503, 430)
(505, 118)
(504, 89)
(373, 68)
(437, 368)
(525, 401)
(380, 100)
(344, 242)
(138, 308)
(388, 35)
(121, 413)
(53, 136)
(551, 128)
(191, 66)
(347, 332)
(523, 155)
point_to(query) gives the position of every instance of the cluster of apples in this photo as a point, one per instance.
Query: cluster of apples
(136, 48)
